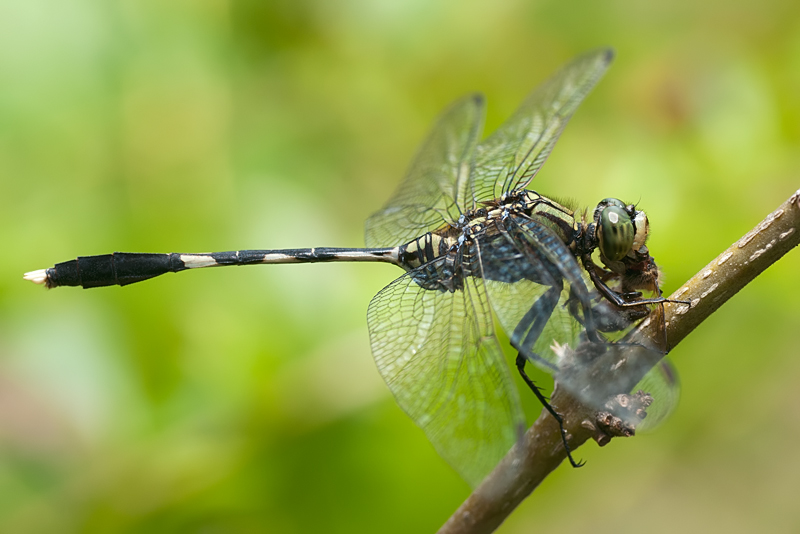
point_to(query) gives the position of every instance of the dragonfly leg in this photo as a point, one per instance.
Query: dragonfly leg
(528, 330)
(533, 322)
(620, 299)
(521, 361)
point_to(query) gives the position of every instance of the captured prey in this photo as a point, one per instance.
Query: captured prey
(475, 244)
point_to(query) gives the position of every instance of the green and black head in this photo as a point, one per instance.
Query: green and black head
(619, 230)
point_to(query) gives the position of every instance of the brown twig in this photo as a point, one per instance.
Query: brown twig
(541, 451)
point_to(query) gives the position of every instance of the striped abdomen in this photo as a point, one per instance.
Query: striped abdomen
(424, 249)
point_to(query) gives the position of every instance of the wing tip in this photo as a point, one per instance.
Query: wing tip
(603, 54)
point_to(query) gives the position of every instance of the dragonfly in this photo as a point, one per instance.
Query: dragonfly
(477, 246)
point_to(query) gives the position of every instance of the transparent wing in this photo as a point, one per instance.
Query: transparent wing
(437, 351)
(597, 373)
(426, 199)
(661, 382)
(512, 155)
(535, 287)
(544, 302)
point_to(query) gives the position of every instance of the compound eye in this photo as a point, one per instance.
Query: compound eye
(607, 203)
(615, 233)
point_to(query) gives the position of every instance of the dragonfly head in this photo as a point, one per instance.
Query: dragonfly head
(620, 228)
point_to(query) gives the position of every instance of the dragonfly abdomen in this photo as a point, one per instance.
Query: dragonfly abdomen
(123, 268)
(424, 249)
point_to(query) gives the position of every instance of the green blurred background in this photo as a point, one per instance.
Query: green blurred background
(246, 400)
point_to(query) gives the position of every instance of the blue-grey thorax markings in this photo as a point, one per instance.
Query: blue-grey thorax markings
(451, 238)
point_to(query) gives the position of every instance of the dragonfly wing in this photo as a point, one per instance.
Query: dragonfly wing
(426, 199)
(598, 372)
(510, 158)
(535, 287)
(437, 351)
(661, 382)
